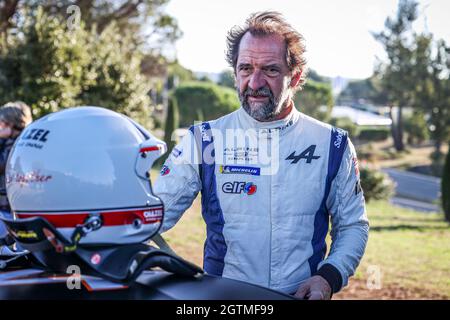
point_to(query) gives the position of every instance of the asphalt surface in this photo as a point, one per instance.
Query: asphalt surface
(415, 191)
(415, 205)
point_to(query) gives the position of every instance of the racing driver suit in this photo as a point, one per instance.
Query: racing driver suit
(268, 192)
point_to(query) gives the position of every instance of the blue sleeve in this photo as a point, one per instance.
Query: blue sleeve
(350, 226)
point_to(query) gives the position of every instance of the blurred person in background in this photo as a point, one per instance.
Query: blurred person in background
(14, 117)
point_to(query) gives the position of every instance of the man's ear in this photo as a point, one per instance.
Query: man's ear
(295, 80)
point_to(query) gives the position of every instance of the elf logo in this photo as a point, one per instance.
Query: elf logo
(237, 187)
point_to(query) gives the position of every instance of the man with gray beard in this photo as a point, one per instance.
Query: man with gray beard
(268, 227)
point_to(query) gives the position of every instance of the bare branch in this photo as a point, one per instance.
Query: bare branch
(7, 9)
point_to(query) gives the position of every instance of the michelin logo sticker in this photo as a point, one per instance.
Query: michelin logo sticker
(240, 170)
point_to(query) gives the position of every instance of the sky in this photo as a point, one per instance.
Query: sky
(337, 32)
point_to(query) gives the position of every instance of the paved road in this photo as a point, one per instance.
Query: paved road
(415, 205)
(415, 190)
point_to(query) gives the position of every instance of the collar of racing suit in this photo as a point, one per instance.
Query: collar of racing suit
(281, 127)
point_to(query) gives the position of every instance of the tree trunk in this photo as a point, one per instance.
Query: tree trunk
(397, 128)
(7, 10)
(437, 146)
(401, 145)
(438, 131)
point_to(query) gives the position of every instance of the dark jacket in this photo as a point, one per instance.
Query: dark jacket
(5, 148)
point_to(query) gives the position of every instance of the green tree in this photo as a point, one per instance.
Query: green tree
(315, 76)
(315, 100)
(417, 128)
(416, 75)
(112, 77)
(433, 88)
(397, 73)
(204, 99)
(204, 78)
(446, 187)
(50, 68)
(144, 20)
(7, 10)
(127, 15)
(172, 123)
(226, 79)
(44, 68)
(357, 90)
(176, 70)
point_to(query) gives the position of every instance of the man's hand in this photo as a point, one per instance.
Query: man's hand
(315, 288)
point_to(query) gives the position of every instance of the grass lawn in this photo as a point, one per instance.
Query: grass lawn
(411, 249)
(188, 235)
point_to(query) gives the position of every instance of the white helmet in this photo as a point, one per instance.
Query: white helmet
(87, 168)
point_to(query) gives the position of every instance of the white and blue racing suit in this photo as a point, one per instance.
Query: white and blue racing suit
(268, 198)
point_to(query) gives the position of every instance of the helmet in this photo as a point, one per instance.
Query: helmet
(86, 169)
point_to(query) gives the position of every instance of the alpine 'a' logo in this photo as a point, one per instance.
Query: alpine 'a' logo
(307, 154)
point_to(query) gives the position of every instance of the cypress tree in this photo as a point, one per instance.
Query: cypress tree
(445, 187)
(172, 123)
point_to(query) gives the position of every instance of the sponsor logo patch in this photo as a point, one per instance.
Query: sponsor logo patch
(238, 187)
(254, 171)
(338, 139)
(176, 153)
(281, 128)
(96, 258)
(165, 170)
(36, 135)
(240, 154)
(24, 234)
(154, 215)
(28, 178)
(34, 138)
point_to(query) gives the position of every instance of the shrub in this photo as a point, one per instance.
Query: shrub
(347, 125)
(374, 134)
(312, 99)
(376, 184)
(416, 128)
(206, 100)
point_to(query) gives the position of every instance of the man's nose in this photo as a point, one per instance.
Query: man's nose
(257, 80)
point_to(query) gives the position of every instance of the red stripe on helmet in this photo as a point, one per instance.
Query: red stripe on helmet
(152, 148)
(113, 218)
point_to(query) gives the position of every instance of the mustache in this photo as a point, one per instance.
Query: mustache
(261, 92)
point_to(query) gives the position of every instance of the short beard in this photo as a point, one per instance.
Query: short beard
(266, 112)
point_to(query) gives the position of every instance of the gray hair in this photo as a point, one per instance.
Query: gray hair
(270, 23)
